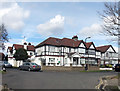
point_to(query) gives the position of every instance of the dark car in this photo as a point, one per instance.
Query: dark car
(7, 64)
(117, 67)
(30, 66)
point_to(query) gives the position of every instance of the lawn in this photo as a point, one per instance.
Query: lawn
(2, 72)
(97, 71)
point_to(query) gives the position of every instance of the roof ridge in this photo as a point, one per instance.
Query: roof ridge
(103, 46)
(17, 44)
(88, 42)
(71, 39)
(54, 38)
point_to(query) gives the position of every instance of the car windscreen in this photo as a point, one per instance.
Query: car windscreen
(117, 64)
(33, 63)
(6, 62)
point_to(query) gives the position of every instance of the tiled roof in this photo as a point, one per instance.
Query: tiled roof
(30, 48)
(104, 48)
(17, 46)
(88, 44)
(70, 42)
(60, 42)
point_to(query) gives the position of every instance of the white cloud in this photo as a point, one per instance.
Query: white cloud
(54, 26)
(13, 15)
(93, 30)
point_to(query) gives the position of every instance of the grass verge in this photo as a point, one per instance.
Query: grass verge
(3, 72)
(96, 71)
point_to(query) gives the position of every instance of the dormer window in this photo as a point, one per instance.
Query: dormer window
(25, 43)
(75, 38)
(29, 43)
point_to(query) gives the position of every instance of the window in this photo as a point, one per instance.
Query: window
(65, 61)
(51, 61)
(92, 52)
(115, 55)
(27, 64)
(92, 62)
(82, 61)
(69, 49)
(33, 63)
(39, 52)
(106, 54)
(52, 49)
(81, 50)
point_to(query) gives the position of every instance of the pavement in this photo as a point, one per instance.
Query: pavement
(17, 79)
(108, 82)
(0, 80)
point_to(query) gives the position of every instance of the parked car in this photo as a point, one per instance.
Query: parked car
(113, 66)
(2, 66)
(117, 67)
(7, 64)
(30, 66)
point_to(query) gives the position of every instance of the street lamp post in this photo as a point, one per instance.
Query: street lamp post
(87, 38)
(86, 66)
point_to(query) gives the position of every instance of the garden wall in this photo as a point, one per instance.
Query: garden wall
(71, 68)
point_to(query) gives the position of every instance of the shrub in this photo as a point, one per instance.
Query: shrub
(108, 65)
(102, 66)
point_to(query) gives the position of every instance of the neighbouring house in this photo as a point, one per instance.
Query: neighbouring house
(66, 52)
(2, 56)
(11, 51)
(108, 54)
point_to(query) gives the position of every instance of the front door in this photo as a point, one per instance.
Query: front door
(75, 60)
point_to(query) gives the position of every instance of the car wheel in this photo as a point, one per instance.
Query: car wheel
(4, 69)
(29, 69)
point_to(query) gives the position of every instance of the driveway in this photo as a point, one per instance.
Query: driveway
(17, 79)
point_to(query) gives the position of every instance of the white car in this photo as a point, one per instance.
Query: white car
(7, 65)
(113, 66)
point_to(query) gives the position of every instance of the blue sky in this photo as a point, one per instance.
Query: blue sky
(38, 20)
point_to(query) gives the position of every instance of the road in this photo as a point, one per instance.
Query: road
(17, 79)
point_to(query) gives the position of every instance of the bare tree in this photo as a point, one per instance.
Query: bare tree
(111, 19)
(111, 22)
(3, 35)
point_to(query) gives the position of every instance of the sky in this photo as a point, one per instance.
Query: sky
(36, 21)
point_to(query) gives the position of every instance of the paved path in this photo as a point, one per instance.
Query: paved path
(16, 79)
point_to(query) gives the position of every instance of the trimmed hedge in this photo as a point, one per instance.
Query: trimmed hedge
(106, 66)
